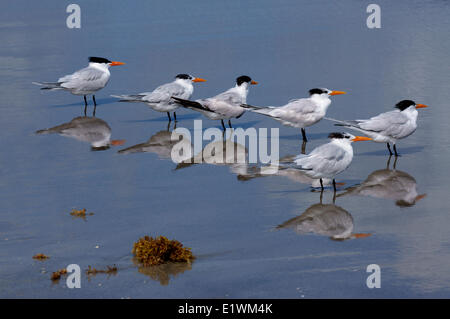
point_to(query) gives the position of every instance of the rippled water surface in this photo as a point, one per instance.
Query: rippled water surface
(254, 235)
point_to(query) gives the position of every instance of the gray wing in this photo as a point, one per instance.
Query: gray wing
(389, 123)
(327, 158)
(84, 77)
(301, 106)
(294, 109)
(164, 93)
(229, 97)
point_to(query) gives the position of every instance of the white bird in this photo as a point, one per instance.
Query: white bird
(324, 219)
(86, 81)
(388, 184)
(328, 160)
(160, 99)
(226, 105)
(390, 126)
(93, 130)
(300, 113)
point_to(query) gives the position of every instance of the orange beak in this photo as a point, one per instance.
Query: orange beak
(337, 92)
(361, 138)
(419, 106)
(198, 80)
(419, 197)
(117, 142)
(361, 235)
(114, 63)
(253, 82)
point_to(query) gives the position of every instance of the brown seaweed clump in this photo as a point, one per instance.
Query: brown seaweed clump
(110, 270)
(156, 251)
(57, 274)
(81, 213)
(40, 257)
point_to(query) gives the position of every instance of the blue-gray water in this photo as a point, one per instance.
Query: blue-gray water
(229, 222)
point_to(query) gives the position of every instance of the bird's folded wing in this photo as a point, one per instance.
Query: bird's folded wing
(195, 105)
(388, 123)
(81, 76)
(230, 97)
(164, 93)
(323, 158)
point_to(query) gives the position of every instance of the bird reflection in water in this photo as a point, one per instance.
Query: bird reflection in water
(161, 144)
(221, 152)
(92, 130)
(292, 174)
(390, 184)
(326, 220)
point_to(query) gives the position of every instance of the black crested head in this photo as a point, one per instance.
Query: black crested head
(338, 135)
(317, 91)
(184, 76)
(98, 60)
(243, 79)
(403, 105)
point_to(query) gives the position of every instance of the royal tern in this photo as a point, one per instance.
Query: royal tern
(299, 113)
(389, 184)
(93, 130)
(326, 220)
(86, 81)
(328, 160)
(226, 105)
(160, 99)
(390, 126)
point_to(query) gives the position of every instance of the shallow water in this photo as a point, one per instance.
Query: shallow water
(227, 215)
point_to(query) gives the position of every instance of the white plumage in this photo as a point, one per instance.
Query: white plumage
(388, 127)
(300, 113)
(328, 160)
(226, 105)
(161, 99)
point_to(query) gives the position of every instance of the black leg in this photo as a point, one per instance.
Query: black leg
(223, 125)
(175, 116)
(334, 187)
(229, 124)
(168, 115)
(395, 151)
(321, 196)
(95, 105)
(304, 135)
(85, 105)
(321, 184)
(388, 162)
(389, 148)
(304, 147)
